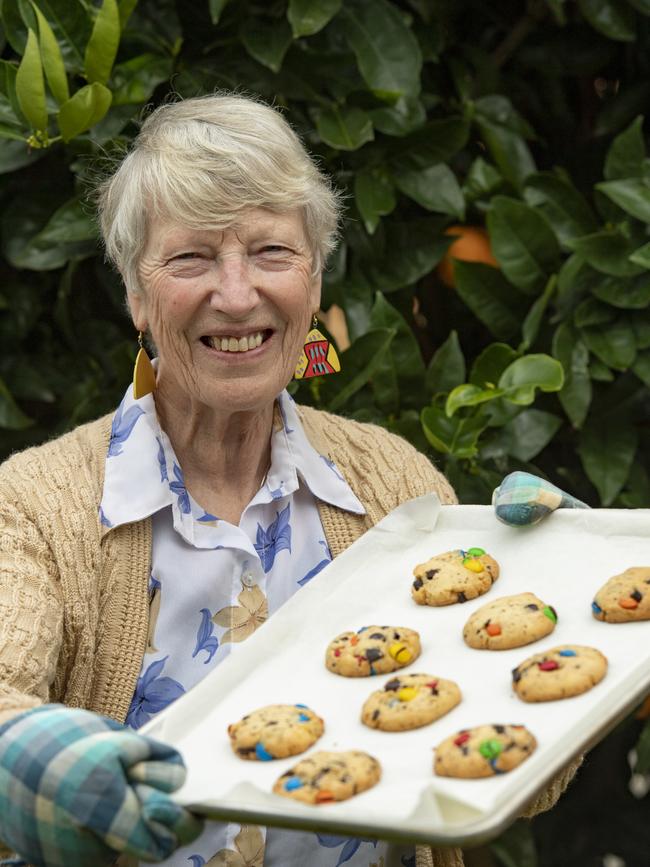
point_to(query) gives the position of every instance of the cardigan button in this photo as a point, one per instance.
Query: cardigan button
(248, 579)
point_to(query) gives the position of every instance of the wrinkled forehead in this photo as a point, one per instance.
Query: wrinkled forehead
(253, 224)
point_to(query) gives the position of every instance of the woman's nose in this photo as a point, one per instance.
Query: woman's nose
(232, 289)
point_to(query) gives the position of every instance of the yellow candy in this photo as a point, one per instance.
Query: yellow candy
(473, 565)
(399, 652)
(407, 693)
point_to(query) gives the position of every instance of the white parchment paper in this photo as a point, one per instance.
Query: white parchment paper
(564, 561)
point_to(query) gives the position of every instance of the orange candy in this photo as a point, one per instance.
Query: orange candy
(493, 629)
(323, 796)
(354, 640)
(628, 602)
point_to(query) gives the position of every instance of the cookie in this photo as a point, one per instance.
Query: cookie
(483, 751)
(275, 732)
(455, 576)
(510, 621)
(624, 597)
(409, 701)
(560, 672)
(372, 650)
(324, 777)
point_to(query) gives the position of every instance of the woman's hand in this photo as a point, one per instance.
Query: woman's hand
(523, 499)
(78, 788)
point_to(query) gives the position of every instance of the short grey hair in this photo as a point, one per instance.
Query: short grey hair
(202, 162)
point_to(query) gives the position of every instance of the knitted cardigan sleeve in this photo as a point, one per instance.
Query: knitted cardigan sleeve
(31, 607)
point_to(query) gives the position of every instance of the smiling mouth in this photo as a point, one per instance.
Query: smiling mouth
(245, 343)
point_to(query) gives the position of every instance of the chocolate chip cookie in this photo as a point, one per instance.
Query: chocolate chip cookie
(511, 621)
(624, 597)
(275, 732)
(372, 650)
(324, 777)
(560, 672)
(454, 576)
(409, 702)
(483, 751)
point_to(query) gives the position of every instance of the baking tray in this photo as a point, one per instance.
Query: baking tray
(564, 561)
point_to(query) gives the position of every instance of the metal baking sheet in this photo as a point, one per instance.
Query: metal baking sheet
(564, 561)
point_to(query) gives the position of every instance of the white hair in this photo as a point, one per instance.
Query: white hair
(201, 162)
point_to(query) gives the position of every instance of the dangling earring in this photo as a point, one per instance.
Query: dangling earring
(318, 357)
(144, 376)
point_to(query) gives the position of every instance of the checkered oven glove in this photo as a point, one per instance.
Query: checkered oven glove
(77, 789)
(523, 499)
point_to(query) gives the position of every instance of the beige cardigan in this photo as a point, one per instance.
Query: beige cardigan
(74, 601)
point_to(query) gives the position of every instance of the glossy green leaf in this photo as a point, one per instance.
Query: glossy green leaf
(640, 324)
(631, 194)
(267, 40)
(455, 436)
(8, 73)
(345, 129)
(490, 364)
(435, 188)
(632, 293)
(71, 25)
(103, 43)
(607, 252)
(534, 317)
(523, 377)
(559, 201)
(402, 364)
(436, 142)
(529, 432)
(522, 243)
(374, 195)
(409, 251)
(11, 416)
(469, 395)
(489, 296)
(607, 447)
(70, 223)
(613, 343)
(613, 18)
(400, 119)
(52, 59)
(482, 180)
(641, 256)
(126, 8)
(575, 395)
(387, 52)
(309, 16)
(599, 372)
(592, 312)
(11, 132)
(134, 81)
(641, 367)
(447, 367)
(216, 8)
(506, 144)
(30, 86)
(626, 153)
(358, 364)
(83, 110)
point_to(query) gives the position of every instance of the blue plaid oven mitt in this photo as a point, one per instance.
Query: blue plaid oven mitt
(77, 788)
(523, 499)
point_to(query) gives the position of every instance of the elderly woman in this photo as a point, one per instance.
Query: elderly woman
(138, 550)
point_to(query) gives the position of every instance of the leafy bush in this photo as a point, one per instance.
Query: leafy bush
(521, 117)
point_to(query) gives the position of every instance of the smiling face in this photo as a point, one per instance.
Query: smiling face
(228, 310)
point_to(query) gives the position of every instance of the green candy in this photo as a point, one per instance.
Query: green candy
(476, 552)
(548, 611)
(491, 749)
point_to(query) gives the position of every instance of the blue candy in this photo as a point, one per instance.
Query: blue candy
(596, 608)
(567, 653)
(301, 705)
(261, 753)
(303, 717)
(293, 783)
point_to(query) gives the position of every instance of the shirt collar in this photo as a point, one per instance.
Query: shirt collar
(142, 474)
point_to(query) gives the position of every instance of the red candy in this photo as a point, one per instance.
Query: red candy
(548, 665)
(462, 739)
(337, 652)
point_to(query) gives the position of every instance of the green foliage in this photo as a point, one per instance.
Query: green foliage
(427, 116)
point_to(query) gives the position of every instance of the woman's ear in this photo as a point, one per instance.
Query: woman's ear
(138, 310)
(316, 283)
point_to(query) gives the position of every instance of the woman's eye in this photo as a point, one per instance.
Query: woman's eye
(184, 256)
(274, 248)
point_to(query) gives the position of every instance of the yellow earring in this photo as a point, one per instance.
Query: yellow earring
(144, 376)
(318, 356)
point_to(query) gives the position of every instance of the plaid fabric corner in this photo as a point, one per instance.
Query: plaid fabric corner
(523, 499)
(76, 788)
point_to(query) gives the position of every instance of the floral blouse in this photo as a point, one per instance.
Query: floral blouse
(212, 584)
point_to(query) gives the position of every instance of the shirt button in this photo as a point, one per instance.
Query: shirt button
(248, 579)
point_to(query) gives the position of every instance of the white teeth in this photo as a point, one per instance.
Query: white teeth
(237, 344)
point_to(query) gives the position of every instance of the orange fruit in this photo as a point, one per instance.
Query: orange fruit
(471, 245)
